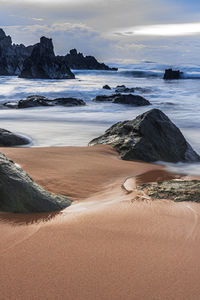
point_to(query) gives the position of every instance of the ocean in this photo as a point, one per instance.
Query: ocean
(76, 126)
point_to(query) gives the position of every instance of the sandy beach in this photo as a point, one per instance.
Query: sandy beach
(105, 245)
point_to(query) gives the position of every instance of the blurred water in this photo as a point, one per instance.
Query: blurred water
(59, 126)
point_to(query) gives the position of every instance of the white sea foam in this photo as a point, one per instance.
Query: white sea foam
(58, 126)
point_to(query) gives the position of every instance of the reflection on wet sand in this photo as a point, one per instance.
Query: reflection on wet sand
(26, 219)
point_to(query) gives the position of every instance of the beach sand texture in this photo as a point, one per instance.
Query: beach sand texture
(106, 245)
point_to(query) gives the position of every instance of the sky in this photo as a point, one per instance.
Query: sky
(118, 31)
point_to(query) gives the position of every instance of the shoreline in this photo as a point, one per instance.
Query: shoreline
(105, 245)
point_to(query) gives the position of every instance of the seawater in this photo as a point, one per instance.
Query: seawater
(76, 126)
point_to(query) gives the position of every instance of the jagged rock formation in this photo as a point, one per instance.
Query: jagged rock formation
(8, 139)
(78, 61)
(130, 99)
(20, 194)
(172, 74)
(150, 137)
(43, 63)
(11, 56)
(106, 87)
(36, 100)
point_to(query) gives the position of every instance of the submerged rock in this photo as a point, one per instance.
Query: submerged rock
(172, 74)
(20, 194)
(36, 100)
(9, 139)
(124, 89)
(150, 137)
(78, 61)
(43, 63)
(130, 99)
(177, 190)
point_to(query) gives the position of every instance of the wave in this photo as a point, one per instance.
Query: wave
(141, 74)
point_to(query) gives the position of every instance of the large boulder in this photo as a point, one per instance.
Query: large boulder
(150, 137)
(43, 63)
(10, 139)
(20, 194)
(78, 61)
(130, 99)
(11, 56)
(172, 74)
(37, 100)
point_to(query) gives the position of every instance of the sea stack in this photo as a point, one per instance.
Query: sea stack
(43, 64)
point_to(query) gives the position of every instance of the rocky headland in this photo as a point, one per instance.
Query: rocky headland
(78, 61)
(12, 56)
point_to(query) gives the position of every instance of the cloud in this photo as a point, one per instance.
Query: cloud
(161, 30)
(65, 37)
(38, 19)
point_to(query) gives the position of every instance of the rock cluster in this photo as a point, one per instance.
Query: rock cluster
(130, 99)
(176, 190)
(78, 61)
(36, 100)
(150, 137)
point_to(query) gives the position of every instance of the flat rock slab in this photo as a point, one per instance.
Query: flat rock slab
(177, 190)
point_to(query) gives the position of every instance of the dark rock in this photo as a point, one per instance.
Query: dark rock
(171, 74)
(124, 89)
(176, 190)
(68, 102)
(36, 100)
(134, 100)
(9, 139)
(43, 63)
(78, 61)
(20, 194)
(106, 87)
(150, 137)
(11, 56)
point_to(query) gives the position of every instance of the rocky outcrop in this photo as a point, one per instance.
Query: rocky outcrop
(36, 100)
(130, 99)
(106, 87)
(176, 190)
(9, 139)
(150, 137)
(78, 61)
(43, 63)
(20, 194)
(172, 74)
(11, 56)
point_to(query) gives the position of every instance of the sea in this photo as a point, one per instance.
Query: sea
(77, 126)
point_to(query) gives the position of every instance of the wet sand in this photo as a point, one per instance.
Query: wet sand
(106, 245)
